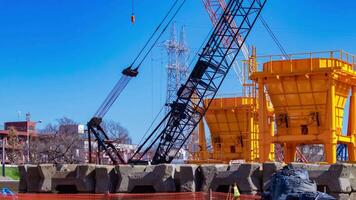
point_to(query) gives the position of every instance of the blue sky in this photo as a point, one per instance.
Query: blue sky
(61, 57)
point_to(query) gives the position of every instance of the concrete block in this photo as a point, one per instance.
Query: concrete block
(268, 169)
(186, 178)
(160, 177)
(353, 179)
(105, 179)
(123, 172)
(155, 178)
(247, 177)
(353, 184)
(341, 196)
(23, 178)
(353, 195)
(74, 178)
(32, 178)
(39, 178)
(337, 178)
(208, 172)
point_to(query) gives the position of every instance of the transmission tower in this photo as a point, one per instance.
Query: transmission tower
(177, 70)
(177, 67)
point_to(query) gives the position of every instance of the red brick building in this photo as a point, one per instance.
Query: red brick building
(23, 130)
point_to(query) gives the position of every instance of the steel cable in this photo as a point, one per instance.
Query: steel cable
(124, 80)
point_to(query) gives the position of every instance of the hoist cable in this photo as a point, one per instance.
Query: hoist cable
(164, 29)
(124, 80)
(150, 126)
(269, 30)
(153, 34)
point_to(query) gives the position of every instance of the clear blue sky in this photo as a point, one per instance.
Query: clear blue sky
(62, 57)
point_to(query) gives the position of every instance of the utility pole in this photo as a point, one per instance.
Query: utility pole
(3, 156)
(28, 118)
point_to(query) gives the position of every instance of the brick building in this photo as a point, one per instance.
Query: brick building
(15, 136)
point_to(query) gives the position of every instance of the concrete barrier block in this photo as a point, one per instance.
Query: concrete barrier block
(39, 178)
(123, 172)
(246, 176)
(23, 178)
(32, 178)
(219, 178)
(86, 178)
(341, 196)
(249, 178)
(105, 179)
(160, 177)
(268, 169)
(186, 178)
(314, 170)
(337, 178)
(208, 172)
(353, 184)
(46, 172)
(74, 178)
(353, 179)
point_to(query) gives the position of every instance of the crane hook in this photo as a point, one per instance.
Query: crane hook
(133, 18)
(133, 14)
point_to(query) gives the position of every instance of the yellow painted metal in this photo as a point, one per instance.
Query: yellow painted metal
(308, 94)
(233, 128)
(351, 132)
(202, 141)
(266, 124)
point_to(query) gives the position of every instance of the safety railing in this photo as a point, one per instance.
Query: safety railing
(256, 64)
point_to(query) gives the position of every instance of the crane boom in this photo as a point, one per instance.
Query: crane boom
(203, 82)
(215, 8)
(94, 125)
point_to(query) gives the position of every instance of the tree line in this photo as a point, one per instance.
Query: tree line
(59, 142)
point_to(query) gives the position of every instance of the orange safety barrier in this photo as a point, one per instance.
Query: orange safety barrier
(155, 196)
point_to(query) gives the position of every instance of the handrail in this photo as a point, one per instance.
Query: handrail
(333, 54)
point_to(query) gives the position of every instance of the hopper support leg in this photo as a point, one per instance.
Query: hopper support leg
(352, 125)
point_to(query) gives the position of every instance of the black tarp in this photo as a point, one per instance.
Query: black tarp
(293, 184)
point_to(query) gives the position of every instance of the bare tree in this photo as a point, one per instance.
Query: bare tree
(116, 132)
(14, 153)
(59, 143)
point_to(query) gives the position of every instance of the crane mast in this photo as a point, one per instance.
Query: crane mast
(204, 81)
